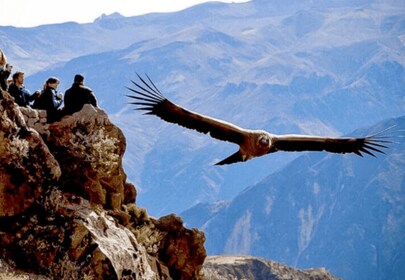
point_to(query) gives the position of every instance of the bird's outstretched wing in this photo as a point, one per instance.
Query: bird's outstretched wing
(149, 99)
(370, 144)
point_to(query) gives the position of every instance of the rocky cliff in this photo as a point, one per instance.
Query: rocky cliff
(67, 211)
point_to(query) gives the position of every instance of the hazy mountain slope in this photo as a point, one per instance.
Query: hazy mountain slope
(344, 213)
(261, 75)
(288, 67)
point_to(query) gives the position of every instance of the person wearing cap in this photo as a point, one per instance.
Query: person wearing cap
(78, 95)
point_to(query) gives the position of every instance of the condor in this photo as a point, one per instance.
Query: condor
(252, 143)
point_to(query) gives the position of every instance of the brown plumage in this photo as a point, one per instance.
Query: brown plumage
(252, 143)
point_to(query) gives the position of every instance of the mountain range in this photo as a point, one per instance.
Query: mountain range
(314, 67)
(342, 212)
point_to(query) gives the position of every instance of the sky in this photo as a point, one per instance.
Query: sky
(29, 13)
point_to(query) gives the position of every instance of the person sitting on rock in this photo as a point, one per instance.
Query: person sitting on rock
(5, 71)
(78, 95)
(22, 96)
(50, 100)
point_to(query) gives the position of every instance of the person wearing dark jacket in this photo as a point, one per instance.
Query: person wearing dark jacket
(22, 96)
(50, 100)
(77, 96)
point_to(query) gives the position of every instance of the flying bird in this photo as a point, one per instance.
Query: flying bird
(252, 143)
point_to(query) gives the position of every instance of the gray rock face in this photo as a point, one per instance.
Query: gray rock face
(244, 267)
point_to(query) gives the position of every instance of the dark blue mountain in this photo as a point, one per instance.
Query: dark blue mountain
(345, 213)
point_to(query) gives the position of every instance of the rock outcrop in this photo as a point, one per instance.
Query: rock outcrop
(244, 267)
(67, 210)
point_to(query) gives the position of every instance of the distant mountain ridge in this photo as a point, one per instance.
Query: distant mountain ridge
(312, 67)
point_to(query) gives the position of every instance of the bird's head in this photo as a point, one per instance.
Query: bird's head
(264, 141)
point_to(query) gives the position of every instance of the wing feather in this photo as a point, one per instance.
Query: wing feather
(148, 98)
(291, 143)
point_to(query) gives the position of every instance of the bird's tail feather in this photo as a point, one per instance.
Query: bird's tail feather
(236, 157)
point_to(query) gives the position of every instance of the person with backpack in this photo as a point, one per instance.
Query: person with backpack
(50, 100)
